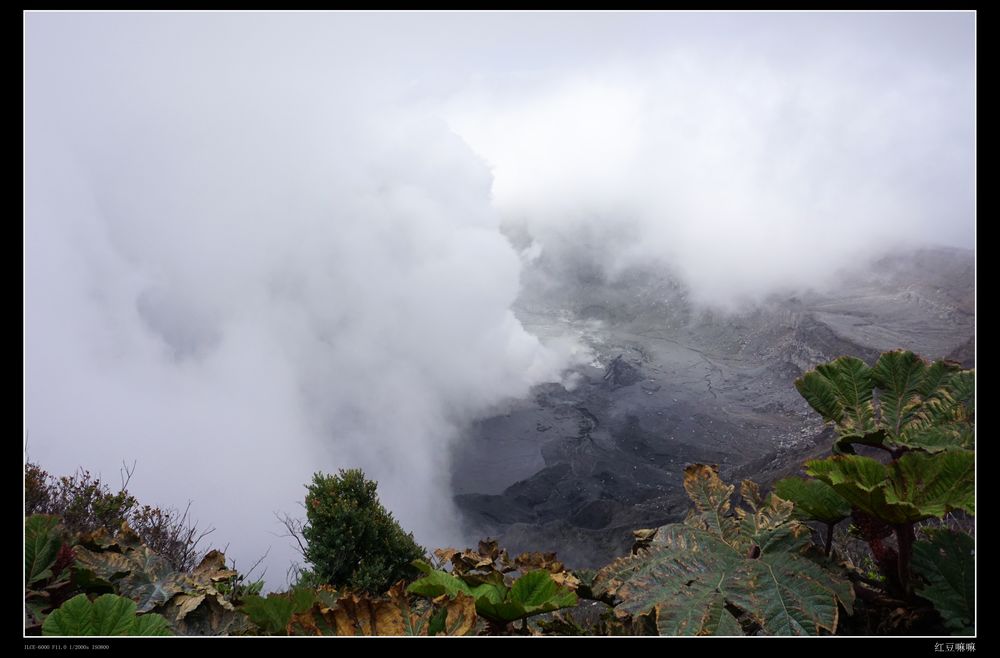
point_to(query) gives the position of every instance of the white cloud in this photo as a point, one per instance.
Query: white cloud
(745, 170)
(237, 289)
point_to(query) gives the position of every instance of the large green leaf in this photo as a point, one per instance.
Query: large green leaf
(41, 547)
(962, 389)
(937, 376)
(934, 484)
(727, 624)
(898, 375)
(108, 615)
(537, 592)
(946, 418)
(821, 394)
(711, 497)
(813, 499)
(937, 436)
(113, 615)
(947, 565)
(841, 391)
(917, 406)
(693, 573)
(435, 582)
(150, 624)
(533, 593)
(274, 612)
(75, 617)
(689, 574)
(679, 575)
(787, 592)
(917, 486)
(859, 480)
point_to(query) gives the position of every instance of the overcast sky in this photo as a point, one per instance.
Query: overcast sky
(262, 245)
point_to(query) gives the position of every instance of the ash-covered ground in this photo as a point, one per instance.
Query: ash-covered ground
(574, 470)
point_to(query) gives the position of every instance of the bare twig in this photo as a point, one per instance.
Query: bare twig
(255, 565)
(294, 527)
(126, 473)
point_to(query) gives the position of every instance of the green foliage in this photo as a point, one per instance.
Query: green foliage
(189, 602)
(486, 575)
(352, 540)
(726, 570)
(946, 564)
(913, 488)
(923, 416)
(918, 406)
(238, 588)
(274, 613)
(41, 547)
(107, 615)
(48, 559)
(814, 499)
(85, 504)
(841, 391)
(436, 625)
(82, 501)
(150, 624)
(534, 593)
(436, 583)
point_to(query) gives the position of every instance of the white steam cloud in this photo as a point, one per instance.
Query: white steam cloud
(239, 282)
(262, 245)
(749, 165)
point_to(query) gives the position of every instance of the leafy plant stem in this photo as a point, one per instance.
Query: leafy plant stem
(905, 538)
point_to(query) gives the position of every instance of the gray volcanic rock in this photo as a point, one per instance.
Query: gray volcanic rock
(575, 469)
(621, 373)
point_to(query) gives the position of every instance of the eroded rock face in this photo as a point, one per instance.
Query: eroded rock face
(574, 471)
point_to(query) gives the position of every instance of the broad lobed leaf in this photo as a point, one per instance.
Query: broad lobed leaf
(947, 565)
(696, 573)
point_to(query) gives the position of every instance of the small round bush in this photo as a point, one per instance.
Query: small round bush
(351, 539)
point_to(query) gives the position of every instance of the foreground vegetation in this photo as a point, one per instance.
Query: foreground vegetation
(742, 562)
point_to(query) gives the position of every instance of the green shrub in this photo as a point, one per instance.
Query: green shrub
(85, 504)
(917, 422)
(351, 539)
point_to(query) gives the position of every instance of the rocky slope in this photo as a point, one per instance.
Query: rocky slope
(575, 469)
